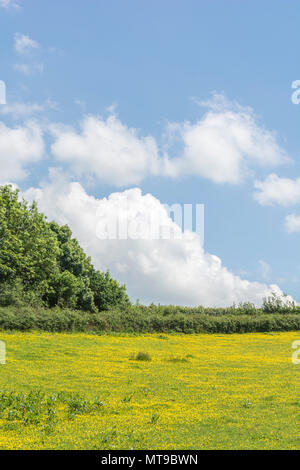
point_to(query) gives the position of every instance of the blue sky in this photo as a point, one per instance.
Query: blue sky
(150, 64)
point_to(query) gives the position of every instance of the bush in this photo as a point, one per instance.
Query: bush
(275, 303)
(141, 319)
(142, 356)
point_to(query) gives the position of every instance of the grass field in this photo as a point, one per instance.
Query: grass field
(197, 392)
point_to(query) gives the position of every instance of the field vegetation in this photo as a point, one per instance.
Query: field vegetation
(83, 391)
(86, 369)
(140, 319)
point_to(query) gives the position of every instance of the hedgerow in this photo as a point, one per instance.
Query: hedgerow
(153, 319)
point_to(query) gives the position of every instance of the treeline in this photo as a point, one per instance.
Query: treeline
(41, 264)
(153, 319)
(48, 283)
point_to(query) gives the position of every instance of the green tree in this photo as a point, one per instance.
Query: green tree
(28, 247)
(107, 292)
(44, 259)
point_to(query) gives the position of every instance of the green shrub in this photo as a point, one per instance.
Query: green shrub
(141, 319)
(142, 356)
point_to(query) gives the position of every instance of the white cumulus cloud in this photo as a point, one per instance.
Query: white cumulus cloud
(108, 150)
(154, 270)
(19, 146)
(225, 145)
(292, 223)
(276, 190)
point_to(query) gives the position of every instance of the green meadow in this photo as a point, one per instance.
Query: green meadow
(159, 391)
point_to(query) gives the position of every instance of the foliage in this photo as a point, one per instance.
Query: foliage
(28, 246)
(42, 266)
(274, 303)
(142, 356)
(36, 408)
(239, 393)
(153, 319)
(40, 262)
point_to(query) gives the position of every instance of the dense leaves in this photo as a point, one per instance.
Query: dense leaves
(40, 262)
(137, 319)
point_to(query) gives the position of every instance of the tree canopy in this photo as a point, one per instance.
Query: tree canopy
(41, 261)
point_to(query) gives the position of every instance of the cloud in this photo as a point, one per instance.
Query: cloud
(24, 44)
(19, 146)
(30, 69)
(224, 145)
(276, 190)
(20, 110)
(265, 269)
(108, 150)
(154, 270)
(284, 192)
(292, 223)
(8, 3)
